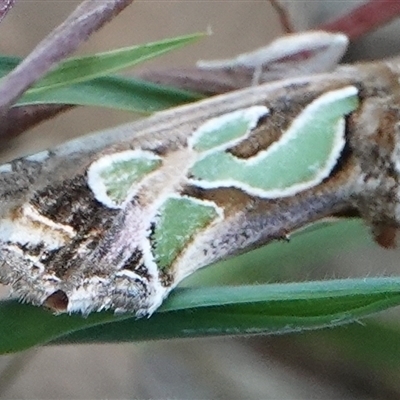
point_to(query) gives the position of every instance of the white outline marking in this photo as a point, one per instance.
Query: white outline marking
(5, 168)
(306, 114)
(33, 228)
(39, 157)
(96, 182)
(252, 114)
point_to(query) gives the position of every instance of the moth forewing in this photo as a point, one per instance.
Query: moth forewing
(137, 208)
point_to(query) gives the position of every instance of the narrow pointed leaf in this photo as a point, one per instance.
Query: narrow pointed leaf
(81, 69)
(191, 312)
(117, 92)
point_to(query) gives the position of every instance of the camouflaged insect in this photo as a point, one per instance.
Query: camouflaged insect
(116, 219)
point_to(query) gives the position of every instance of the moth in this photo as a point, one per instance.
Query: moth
(116, 219)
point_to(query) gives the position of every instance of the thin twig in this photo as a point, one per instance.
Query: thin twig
(358, 22)
(87, 18)
(364, 18)
(277, 60)
(355, 24)
(19, 119)
(207, 82)
(5, 7)
(283, 17)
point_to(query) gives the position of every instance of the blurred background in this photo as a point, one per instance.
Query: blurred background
(361, 361)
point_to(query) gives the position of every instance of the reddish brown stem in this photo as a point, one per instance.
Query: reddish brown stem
(364, 19)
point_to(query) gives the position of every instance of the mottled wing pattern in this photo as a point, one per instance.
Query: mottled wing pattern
(117, 219)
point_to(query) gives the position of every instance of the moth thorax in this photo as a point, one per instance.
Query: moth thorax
(375, 144)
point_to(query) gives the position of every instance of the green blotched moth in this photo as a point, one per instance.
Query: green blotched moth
(117, 219)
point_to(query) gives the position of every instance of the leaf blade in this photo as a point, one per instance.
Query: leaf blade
(268, 309)
(118, 92)
(83, 80)
(80, 69)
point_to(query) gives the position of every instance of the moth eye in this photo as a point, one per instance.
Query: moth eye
(57, 301)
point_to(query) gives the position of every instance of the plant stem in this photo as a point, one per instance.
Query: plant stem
(364, 19)
(87, 18)
(5, 7)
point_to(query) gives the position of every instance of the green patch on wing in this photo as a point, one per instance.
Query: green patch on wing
(121, 175)
(180, 219)
(305, 154)
(227, 128)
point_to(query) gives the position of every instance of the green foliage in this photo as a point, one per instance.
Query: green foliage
(218, 310)
(120, 93)
(81, 69)
(197, 308)
(86, 80)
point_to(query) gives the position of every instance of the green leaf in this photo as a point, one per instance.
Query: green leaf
(277, 309)
(190, 312)
(117, 92)
(81, 81)
(200, 311)
(24, 326)
(7, 64)
(80, 69)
